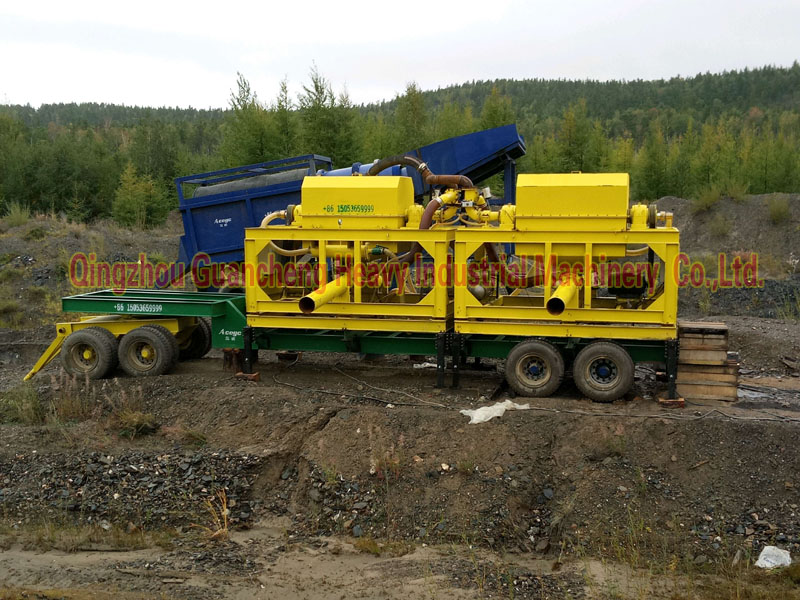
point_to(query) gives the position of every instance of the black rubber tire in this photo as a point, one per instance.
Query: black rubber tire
(539, 355)
(152, 339)
(171, 339)
(100, 341)
(112, 339)
(614, 358)
(199, 342)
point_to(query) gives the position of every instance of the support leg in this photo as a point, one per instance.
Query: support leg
(455, 349)
(440, 359)
(247, 336)
(672, 368)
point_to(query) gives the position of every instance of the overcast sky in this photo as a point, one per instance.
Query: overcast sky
(173, 54)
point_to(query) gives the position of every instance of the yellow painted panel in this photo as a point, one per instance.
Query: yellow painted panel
(371, 202)
(589, 201)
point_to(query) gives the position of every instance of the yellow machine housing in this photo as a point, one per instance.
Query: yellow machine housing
(369, 203)
(581, 223)
(591, 201)
(347, 234)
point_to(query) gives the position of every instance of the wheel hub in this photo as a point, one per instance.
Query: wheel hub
(603, 370)
(535, 370)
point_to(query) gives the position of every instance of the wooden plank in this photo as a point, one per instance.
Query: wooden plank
(725, 369)
(684, 377)
(708, 390)
(714, 398)
(701, 327)
(701, 357)
(700, 346)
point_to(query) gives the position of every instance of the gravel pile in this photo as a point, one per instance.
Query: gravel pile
(145, 488)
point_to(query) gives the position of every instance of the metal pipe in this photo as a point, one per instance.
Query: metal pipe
(428, 176)
(324, 294)
(278, 214)
(563, 295)
(284, 252)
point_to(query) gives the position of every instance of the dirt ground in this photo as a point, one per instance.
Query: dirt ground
(345, 477)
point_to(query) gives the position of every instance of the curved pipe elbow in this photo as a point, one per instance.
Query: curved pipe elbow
(278, 214)
(427, 175)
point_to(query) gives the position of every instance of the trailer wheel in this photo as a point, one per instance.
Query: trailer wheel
(171, 339)
(534, 368)
(199, 342)
(146, 351)
(90, 352)
(603, 371)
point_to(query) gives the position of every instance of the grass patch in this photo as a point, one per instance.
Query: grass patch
(68, 537)
(778, 207)
(737, 191)
(790, 309)
(128, 416)
(155, 258)
(35, 234)
(38, 293)
(11, 273)
(72, 400)
(22, 404)
(9, 307)
(17, 214)
(188, 437)
(192, 437)
(369, 545)
(135, 423)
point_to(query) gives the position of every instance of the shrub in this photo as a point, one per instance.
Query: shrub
(9, 307)
(720, 225)
(21, 405)
(707, 199)
(10, 273)
(778, 206)
(35, 234)
(17, 214)
(134, 423)
(139, 201)
(736, 191)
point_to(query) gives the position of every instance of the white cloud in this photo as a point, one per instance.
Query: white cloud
(167, 53)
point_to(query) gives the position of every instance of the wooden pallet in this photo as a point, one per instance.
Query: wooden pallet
(706, 370)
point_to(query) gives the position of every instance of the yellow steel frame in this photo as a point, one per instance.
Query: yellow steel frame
(432, 313)
(116, 324)
(655, 320)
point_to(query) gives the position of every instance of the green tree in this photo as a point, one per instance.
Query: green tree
(286, 128)
(496, 110)
(154, 149)
(139, 201)
(652, 164)
(452, 120)
(411, 119)
(249, 135)
(573, 137)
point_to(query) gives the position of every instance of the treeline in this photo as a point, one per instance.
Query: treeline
(729, 133)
